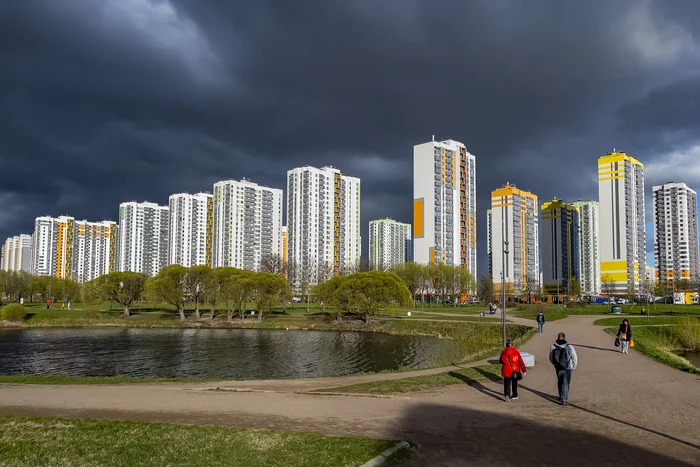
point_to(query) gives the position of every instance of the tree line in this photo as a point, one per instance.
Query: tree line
(19, 285)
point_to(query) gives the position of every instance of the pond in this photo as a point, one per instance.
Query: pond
(692, 357)
(213, 353)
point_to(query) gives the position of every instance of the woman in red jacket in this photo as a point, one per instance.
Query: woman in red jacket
(513, 370)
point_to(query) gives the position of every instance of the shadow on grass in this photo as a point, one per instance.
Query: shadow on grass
(449, 435)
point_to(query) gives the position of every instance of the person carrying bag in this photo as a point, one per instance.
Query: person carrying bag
(512, 369)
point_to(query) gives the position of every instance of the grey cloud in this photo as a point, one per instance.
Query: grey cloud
(134, 99)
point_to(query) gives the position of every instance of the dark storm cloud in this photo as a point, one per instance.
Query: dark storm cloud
(107, 101)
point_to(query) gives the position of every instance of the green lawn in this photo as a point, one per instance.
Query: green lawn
(65, 442)
(421, 383)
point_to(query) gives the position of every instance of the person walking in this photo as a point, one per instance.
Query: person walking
(563, 356)
(48, 304)
(540, 322)
(625, 335)
(512, 369)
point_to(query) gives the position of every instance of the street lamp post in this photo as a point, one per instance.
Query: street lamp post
(503, 289)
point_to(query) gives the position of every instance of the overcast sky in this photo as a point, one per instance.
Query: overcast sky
(105, 101)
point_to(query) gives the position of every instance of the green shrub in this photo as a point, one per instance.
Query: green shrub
(92, 313)
(13, 312)
(688, 333)
(577, 304)
(536, 307)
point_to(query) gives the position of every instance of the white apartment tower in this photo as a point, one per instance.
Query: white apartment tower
(389, 243)
(95, 249)
(16, 254)
(515, 220)
(590, 257)
(323, 223)
(622, 218)
(675, 208)
(191, 229)
(247, 224)
(52, 246)
(143, 237)
(489, 246)
(444, 204)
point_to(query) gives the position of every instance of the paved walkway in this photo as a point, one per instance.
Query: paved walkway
(625, 410)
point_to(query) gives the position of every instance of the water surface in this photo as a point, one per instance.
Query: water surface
(212, 353)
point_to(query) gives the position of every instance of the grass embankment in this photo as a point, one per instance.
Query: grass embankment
(469, 376)
(121, 379)
(663, 343)
(56, 441)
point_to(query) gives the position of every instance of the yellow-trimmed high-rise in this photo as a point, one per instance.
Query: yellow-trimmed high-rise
(622, 223)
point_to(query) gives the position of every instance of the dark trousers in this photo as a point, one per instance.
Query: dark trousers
(563, 383)
(507, 382)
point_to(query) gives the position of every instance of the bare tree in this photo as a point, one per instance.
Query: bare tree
(272, 263)
(608, 286)
(530, 287)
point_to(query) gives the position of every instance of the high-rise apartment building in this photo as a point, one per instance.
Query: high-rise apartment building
(285, 247)
(95, 249)
(622, 218)
(52, 246)
(16, 254)
(489, 246)
(389, 243)
(561, 245)
(515, 220)
(590, 256)
(191, 229)
(247, 224)
(323, 223)
(675, 208)
(68, 249)
(143, 237)
(444, 204)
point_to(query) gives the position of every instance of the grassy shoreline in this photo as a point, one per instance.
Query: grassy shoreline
(59, 441)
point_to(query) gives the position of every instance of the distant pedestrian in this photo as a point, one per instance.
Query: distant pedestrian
(63, 305)
(21, 301)
(512, 370)
(625, 335)
(540, 322)
(69, 305)
(563, 356)
(48, 304)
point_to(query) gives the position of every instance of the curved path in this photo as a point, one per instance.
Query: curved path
(625, 409)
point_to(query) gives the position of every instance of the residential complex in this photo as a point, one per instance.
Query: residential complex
(191, 229)
(560, 246)
(68, 249)
(285, 247)
(589, 216)
(675, 210)
(444, 204)
(514, 228)
(323, 223)
(389, 243)
(16, 254)
(143, 242)
(488, 241)
(247, 224)
(622, 218)
(95, 249)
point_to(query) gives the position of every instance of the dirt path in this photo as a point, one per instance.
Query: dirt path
(625, 409)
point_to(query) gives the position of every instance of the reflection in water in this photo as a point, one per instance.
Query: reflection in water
(212, 353)
(692, 357)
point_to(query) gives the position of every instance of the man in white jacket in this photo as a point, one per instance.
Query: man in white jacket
(563, 356)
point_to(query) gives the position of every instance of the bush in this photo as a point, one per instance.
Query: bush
(13, 312)
(688, 333)
(92, 313)
(536, 307)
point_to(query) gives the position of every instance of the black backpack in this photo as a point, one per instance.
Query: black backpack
(560, 357)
